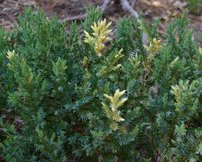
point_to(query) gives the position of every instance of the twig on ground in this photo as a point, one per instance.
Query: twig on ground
(72, 18)
(133, 3)
(29, 3)
(127, 8)
(104, 5)
(5, 13)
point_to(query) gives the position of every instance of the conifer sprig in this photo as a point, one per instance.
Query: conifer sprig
(99, 36)
(112, 111)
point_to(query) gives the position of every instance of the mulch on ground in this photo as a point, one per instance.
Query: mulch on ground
(68, 10)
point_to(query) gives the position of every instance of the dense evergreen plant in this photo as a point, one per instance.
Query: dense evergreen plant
(82, 95)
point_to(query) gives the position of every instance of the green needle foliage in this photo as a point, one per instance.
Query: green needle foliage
(64, 97)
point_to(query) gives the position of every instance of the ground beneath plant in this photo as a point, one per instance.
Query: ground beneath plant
(68, 10)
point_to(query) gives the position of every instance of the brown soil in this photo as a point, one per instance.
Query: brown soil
(165, 10)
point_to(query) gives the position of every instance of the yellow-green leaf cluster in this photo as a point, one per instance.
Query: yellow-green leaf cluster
(99, 36)
(10, 54)
(112, 111)
(111, 64)
(154, 46)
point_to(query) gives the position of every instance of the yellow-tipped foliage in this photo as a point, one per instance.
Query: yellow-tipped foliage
(112, 111)
(10, 54)
(99, 36)
(154, 46)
